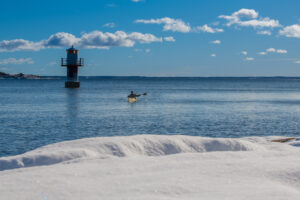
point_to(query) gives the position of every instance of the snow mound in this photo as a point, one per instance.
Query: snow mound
(295, 143)
(155, 167)
(127, 146)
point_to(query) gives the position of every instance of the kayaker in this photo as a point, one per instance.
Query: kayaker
(132, 95)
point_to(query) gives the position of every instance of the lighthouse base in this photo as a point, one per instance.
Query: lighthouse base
(72, 84)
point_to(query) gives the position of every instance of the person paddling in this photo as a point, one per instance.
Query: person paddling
(134, 97)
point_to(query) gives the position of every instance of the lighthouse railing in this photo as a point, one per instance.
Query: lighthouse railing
(69, 62)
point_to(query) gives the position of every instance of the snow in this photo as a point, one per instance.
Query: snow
(155, 167)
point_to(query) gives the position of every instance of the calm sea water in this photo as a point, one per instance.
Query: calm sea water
(34, 113)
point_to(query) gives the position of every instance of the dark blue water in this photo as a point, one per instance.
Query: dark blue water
(38, 112)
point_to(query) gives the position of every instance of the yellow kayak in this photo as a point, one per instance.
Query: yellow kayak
(132, 99)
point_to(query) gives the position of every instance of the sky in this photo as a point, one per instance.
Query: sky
(152, 37)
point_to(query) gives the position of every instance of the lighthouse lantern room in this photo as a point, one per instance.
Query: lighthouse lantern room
(72, 63)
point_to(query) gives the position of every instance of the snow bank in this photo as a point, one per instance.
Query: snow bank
(295, 143)
(155, 167)
(140, 145)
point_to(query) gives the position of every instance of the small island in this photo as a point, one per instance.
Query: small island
(19, 76)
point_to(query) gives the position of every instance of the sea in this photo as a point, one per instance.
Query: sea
(35, 113)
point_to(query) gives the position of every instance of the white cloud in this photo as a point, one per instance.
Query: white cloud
(298, 61)
(244, 53)
(208, 29)
(169, 39)
(61, 39)
(95, 39)
(281, 51)
(249, 17)
(15, 61)
(291, 31)
(249, 59)
(265, 32)
(147, 50)
(178, 25)
(56, 40)
(262, 53)
(142, 38)
(213, 55)
(265, 22)
(109, 25)
(216, 42)
(169, 24)
(19, 44)
(137, 1)
(248, 13)
(273, 50)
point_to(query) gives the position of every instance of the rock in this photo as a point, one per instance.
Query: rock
(283, 140)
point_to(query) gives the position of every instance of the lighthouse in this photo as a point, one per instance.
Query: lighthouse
(72, 63)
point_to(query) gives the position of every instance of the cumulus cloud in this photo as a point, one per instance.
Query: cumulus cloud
(265, 32)
(19, 44)
(178, 25)
(207, 29)
(169, 24)
(244, 53)
(95, 39)
(273, 50)
(136, 1)
(281, 51)
(60, 39)
(249, 13)
(291, 31)
(213, 55)
(265, 22)
(216, 42)
(15, 61)
(169, 39)
(249, 17)
(98, 39)
(143, 38)
(249, 59)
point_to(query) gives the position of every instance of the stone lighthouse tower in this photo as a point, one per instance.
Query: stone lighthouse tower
(72, 63)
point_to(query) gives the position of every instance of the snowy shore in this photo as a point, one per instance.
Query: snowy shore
(155, 167)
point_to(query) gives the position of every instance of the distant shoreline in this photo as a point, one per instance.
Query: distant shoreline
(23, 76)
(31, 76)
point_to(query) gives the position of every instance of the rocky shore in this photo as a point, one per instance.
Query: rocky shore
(19, 76)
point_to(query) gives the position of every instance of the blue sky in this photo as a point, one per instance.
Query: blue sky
(153, 37)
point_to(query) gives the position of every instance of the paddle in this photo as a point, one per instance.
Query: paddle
(132, 95)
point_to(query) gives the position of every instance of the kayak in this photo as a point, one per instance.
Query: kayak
(132, 99)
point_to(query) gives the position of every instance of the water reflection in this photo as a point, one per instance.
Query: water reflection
(72, 112)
